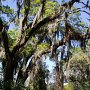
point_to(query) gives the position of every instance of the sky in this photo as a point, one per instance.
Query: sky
(12, 4)
(84, 16)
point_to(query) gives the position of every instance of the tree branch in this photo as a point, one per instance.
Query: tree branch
(37, 26)
(39, 13)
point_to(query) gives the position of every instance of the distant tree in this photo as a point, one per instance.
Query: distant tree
(78, 70)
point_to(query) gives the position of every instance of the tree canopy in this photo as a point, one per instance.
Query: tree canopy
(34, 29)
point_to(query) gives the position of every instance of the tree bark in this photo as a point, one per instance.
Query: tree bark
(59, 74)
(8, 69)
(8, 74)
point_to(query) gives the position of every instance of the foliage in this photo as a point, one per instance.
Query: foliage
(7, 10)
(51, 8)
(78, 70)
(18, 86)
(42, 46)
(12, 35)
(69, 86)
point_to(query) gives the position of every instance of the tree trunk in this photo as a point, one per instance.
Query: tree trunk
(39, 79)
(8, 74)
(59, 74)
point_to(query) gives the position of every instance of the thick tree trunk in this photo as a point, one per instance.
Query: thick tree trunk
(59, 74)
(39, 79)
(8, 74)
(8, 69)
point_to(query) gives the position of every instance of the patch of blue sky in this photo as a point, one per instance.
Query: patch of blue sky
(84, 15)
(11, 4)
(50, 64)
